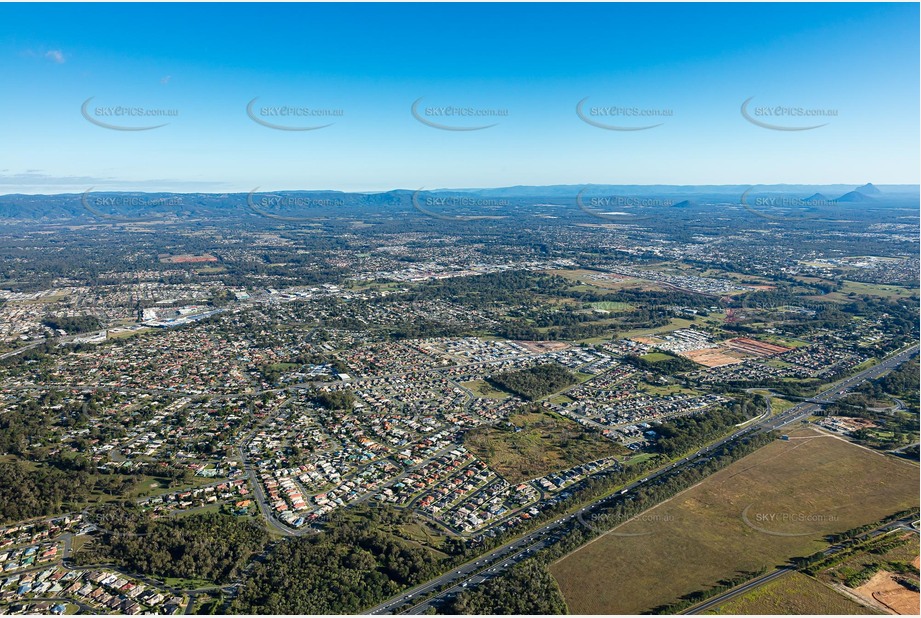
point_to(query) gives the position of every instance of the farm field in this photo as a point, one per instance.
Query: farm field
(794, 593)
(759, 512)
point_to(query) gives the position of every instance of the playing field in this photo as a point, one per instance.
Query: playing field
(775, 504)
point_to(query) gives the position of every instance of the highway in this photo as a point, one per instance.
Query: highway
(494, 562)
(749, 585)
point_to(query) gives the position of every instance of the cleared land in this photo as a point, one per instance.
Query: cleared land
(791, 594)
(536, 444)
(885, 589)
(481, 388)
(792, 493)
(711, 357)
(885, 574)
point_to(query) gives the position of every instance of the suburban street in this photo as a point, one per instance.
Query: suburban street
(498, 560)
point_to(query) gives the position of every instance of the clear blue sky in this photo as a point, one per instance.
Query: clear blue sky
(535, 61)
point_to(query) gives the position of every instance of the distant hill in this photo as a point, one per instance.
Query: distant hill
(869, 189)
(854, 196)
(817, 197)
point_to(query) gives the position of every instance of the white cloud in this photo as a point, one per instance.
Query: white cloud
(55, 55)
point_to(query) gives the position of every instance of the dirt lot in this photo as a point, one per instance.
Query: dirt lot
(712, 357)
(775, 504)
(886, 590)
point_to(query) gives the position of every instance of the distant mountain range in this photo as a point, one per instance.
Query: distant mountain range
(125, 205)
(547, 191)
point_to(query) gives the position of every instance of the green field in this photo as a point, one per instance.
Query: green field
(423, 535)
(128, 333)
(784, 341)
(671, 389)
(793, 593)
(715, 320)
(762, 510)
(656, 357)
(537, 443)
(481, 388)
(855, 288)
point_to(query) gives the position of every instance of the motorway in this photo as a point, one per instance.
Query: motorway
(493, 563)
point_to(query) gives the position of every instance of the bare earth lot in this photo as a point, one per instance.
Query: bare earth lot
(762, 510)
(885, 589)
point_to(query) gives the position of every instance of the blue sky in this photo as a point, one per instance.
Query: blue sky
(699, 63)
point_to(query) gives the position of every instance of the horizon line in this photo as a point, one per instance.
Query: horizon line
(908, 185)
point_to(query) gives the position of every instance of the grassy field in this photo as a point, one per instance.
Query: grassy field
(784, 341)
(44, 300)
(481, 388)
(656, 357)
(775, 504)
(671, 389)
(536, 444)
(583, 277)
(779, 405)
(890, 292)
(674, 324)
(128, 333)
(282, 366)
(424, 535)
(794, 593)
